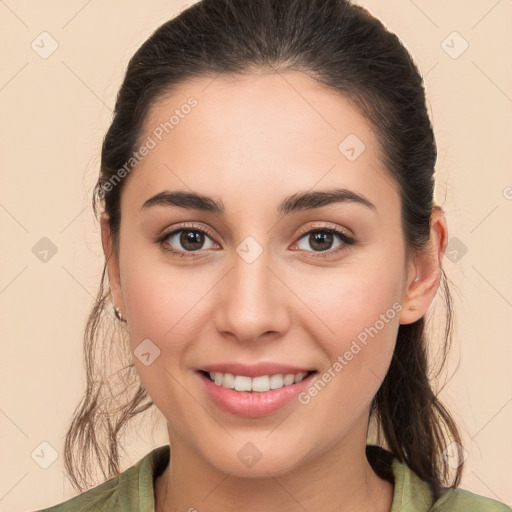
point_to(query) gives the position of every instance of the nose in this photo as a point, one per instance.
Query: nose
(251, 302)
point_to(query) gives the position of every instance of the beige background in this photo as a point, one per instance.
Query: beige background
(54, 113)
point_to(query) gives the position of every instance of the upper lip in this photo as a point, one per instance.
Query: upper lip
(255, 370)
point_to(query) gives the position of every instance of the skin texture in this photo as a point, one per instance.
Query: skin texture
(250, 142)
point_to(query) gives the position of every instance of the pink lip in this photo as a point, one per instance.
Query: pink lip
(253, 404)
(254, 370)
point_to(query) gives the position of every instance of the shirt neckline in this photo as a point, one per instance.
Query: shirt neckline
(137, 485)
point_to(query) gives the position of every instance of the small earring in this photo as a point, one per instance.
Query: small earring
(117, 311)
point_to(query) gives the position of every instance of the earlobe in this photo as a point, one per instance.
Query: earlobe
(112, 262)
(424, 273)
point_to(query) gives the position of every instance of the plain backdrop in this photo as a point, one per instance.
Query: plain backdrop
(62, 63)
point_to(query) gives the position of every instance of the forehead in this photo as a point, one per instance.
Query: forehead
(258, 134)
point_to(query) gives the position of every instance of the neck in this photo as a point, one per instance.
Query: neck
(339, 479)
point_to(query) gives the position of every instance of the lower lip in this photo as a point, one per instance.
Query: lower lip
(253, 404)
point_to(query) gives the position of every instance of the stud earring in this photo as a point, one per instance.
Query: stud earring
(117, 312)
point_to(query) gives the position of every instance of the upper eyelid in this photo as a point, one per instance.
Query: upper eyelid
(326, 226)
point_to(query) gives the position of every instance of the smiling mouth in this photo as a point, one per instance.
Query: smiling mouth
(259, 384)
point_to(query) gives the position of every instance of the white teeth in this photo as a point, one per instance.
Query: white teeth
(289, 379)
(228, 381)
(242, 383)
(276, 381)
(259, 384)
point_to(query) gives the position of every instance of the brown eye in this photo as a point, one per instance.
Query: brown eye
(321, 240)
(187, 240)
(191, 240)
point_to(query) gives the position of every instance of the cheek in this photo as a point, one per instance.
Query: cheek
(165, 313)
(351, 298)
(359, 310)
(162, 300)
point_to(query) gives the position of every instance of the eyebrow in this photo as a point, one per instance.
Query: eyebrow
(294, 203)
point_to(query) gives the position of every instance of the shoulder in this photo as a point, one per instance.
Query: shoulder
(101, 497)
(414, 494)
(130, 491)
(460, 500)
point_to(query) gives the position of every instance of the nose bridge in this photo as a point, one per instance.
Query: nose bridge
(252, 300)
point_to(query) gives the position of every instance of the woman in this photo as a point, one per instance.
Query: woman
(272, 249)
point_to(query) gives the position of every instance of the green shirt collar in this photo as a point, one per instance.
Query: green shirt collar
(136, 485)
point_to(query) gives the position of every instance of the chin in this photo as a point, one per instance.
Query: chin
(248, 460)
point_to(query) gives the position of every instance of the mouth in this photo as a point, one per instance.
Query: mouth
(258, 384)
(254, 397)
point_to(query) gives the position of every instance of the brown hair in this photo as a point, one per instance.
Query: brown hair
(343, 47)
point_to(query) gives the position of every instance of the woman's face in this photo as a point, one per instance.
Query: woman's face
(251, 281)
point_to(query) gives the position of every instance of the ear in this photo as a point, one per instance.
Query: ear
(424, 272)
(112, 260)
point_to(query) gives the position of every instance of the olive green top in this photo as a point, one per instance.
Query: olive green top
(133, 491)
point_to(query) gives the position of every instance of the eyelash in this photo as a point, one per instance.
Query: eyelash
(344, 238)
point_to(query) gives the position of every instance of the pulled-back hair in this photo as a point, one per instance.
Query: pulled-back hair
(345, 48)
